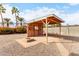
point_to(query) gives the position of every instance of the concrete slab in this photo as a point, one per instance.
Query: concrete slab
(22, 42)
(62, 49)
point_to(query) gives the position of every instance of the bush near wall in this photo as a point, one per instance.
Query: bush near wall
(6, 30)
(20, 30)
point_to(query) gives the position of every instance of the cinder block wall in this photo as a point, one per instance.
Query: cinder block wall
(72, 31)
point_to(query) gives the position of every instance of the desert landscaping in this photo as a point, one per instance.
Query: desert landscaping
(38, 31)
(9, 46)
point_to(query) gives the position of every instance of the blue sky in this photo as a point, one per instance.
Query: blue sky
(69, 12)
(60, 6)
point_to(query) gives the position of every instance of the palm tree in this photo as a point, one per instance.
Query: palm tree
(2, 10)
(7, 21)
(16, 12)
(21, 19)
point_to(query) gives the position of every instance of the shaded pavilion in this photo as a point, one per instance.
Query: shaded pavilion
(35, 27)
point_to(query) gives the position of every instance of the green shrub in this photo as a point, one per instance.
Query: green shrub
(6, 30)
(20, 30)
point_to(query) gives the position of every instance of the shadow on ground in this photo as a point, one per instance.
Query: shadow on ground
(73, 54)
(73, 38)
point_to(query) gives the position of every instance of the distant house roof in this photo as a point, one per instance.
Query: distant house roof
(52, 16)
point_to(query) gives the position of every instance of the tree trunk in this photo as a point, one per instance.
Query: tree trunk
(46, 31)
(2, 20)
(7, 24)
(21, 23)
(16, 20)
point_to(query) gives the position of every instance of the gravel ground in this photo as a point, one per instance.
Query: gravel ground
(9, 47)
(72, 45)
(37, 50)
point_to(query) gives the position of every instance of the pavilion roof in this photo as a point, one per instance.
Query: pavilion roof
(51, 18)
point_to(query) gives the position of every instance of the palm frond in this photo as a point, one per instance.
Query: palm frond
(2, 9)
(14, 10)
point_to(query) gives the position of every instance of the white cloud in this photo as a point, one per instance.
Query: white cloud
(8, 13)
(72, 18)
(66, 7)
(73, 4)
(38, 12)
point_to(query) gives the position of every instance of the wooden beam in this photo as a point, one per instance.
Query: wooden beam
(54, 21)
(48, 22)
(43, 22)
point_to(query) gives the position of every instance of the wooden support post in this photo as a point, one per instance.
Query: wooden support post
(27, 30)
(46, 31)
(68, 28)
(60, 29)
